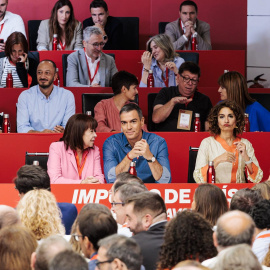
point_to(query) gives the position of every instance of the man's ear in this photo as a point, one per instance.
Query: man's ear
(215, 239)
(177, 79)
(123, 89)
(33, 260)
(147, 221)
(142, 121)
(118, 265)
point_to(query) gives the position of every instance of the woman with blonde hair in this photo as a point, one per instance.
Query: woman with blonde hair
(39, 212)
(161, 58)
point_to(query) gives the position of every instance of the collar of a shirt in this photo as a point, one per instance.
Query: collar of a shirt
(5, 18)
(89, 60)
(53, 93)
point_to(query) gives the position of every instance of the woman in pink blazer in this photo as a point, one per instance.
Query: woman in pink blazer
(75, 159)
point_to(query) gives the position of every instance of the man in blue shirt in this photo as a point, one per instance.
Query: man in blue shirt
(148, 150)
(44, 108)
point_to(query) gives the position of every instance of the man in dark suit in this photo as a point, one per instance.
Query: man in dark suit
(111, 27)
(146, 218)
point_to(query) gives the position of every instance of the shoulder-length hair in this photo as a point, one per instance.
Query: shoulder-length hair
(75, 128)
(54, 27)
(15, 38)
(165, 44)
(236, 88)
(238, 112)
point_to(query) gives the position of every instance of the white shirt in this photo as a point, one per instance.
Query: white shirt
(92, 68)
(260, 246)
(12, 22)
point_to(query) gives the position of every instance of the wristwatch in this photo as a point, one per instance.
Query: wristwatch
(153, 159)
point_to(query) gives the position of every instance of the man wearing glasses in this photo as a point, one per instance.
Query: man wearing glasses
(175, 107)
(90, 66)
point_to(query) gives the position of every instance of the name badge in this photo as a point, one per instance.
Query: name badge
(184, 119)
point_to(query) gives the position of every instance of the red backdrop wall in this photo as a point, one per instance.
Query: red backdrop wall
(228, 19)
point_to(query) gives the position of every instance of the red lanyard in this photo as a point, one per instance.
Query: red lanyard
(62, 46)
(165, 80)
(81, 166)
(187, 44)
(89, 73)
(1, 28)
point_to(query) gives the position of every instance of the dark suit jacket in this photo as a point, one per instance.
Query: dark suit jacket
(150, 243)
(114, 31)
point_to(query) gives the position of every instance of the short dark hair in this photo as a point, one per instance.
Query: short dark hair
(15, 38)
(131, 107)
(191, 67)
(31, 177)
(96, 225)
(99, 3)
(76, 126)
(189, 3)
(51, 61)
(96, 207)
(68, 260)
(147, 201)
(260, 213)
(123, 248)
(123, 78)
(238, 112)
(124, 178)
(244, 199)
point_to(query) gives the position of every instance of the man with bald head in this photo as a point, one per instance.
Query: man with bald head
(8, 216)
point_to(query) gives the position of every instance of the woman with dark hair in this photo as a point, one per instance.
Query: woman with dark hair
(161, 58)
(62, 23)
(233, 86)
(188, 236)
(75, 159)
(231, 154)
(210, 201)
(22, 63)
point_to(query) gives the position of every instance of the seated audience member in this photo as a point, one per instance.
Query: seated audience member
(188, 26)
(244, 199)
(264, 189)
(47, 250)
(161, 58)
(124, 86)
(190, 265)
(44, 108)
(93, 225)
(8, 216)
(233, 86)
(90, 66)
(16, 246)
(120, 252)
(230, 153)
(39, 213)
(184, 99)
(12, 23)
(146, 218)
(31, 177)
(111, 27)
(63, 23)
(238, 257)
(210, 201)
(75, 159)
(233, 228)
(260, 213)
(68, 260)
(188, 235)
(148, 149)
(18, 62)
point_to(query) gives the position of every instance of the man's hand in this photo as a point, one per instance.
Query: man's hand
(59, 129)
(95, 85)
(48, 131)
(182, 100)
(90, 180)
(189, 26)
(141, 148)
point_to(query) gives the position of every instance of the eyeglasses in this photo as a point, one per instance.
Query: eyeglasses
(187, 80)
(77, 237)
(115, 203)
(98, 263)
(96, 44)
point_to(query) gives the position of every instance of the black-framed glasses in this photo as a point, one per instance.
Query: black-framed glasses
(98, 263)
(187, 80)
(77, 236)
(96, 44)
(113, 204)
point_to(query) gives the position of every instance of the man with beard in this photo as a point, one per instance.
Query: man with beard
(44, 108)
(9, 23)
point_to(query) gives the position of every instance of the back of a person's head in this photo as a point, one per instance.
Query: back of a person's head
(264, 189)
(244, 199)
(210, 202)
(95, 207)
(238, 257)
(8, 216)
(96, 225)
(129, 189)
(17, 244)
(124, 178)
(123, 248)
(188, 235)
(233, 228)
(68, 260)
(260, 213)
(48, 249)
(40, 213)
(31, 177)
(190, 265)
